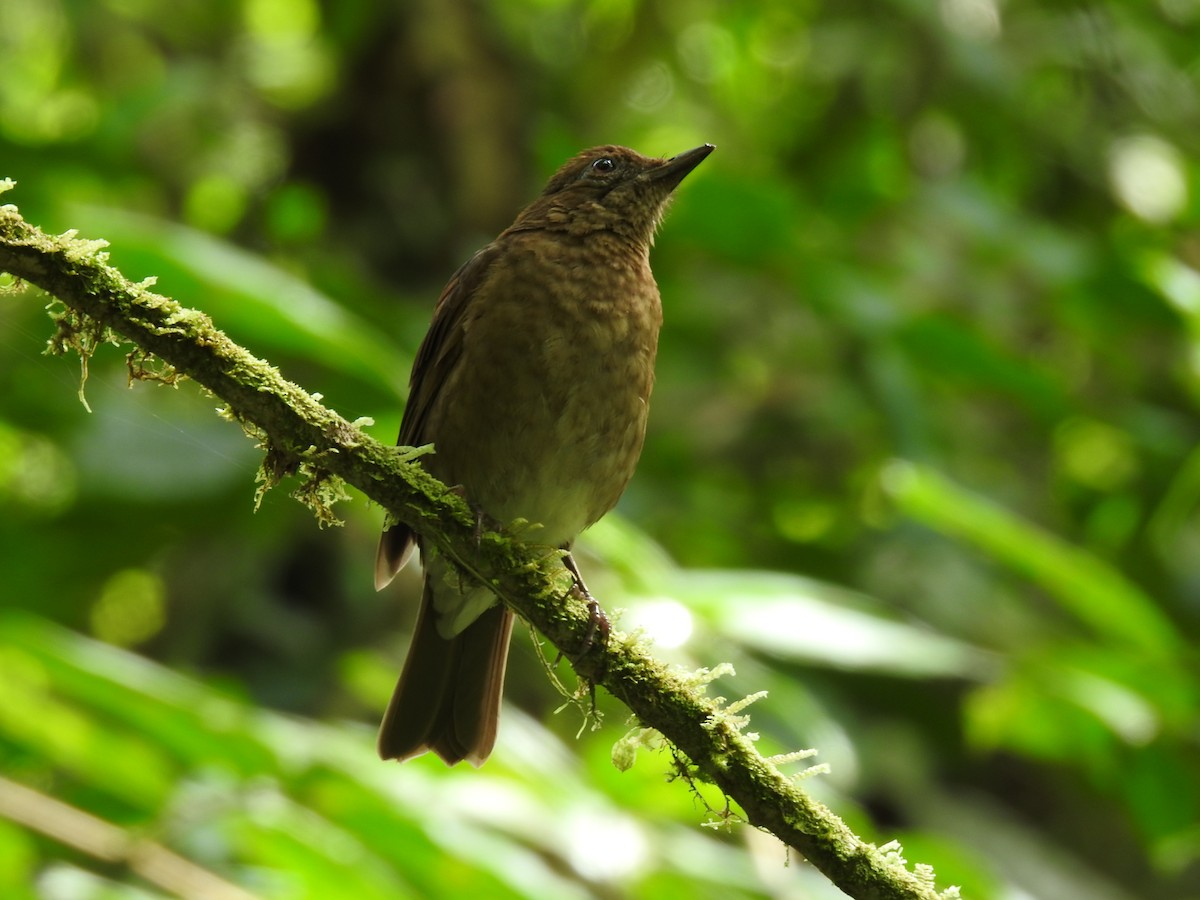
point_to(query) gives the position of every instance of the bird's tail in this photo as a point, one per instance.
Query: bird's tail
(448, 696)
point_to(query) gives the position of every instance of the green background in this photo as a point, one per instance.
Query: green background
(922, 459)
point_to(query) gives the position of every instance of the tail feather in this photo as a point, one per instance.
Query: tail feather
(396, 546)
(448, 696)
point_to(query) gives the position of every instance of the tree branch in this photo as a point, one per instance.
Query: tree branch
(113, 844)
(302, 436)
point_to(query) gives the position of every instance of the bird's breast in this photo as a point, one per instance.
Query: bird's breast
(545, 412)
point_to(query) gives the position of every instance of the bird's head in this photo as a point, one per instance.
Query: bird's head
(611, 189)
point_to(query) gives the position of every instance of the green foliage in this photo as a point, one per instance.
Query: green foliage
(922, 460)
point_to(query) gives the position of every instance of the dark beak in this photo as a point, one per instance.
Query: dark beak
(673, 171)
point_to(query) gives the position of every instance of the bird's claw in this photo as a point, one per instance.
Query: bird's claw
(598, 624)
(597, 621)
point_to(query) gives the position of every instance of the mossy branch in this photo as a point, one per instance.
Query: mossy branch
(301, 435)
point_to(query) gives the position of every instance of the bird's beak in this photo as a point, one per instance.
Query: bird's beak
(673, 171)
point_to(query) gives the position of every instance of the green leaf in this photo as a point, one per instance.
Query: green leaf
(258, 303)
(1084, 585)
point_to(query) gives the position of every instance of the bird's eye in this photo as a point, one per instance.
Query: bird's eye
(604, 164)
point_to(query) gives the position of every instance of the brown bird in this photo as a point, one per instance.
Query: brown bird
(532, 384)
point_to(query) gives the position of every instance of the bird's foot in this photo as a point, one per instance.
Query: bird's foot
(483, 522)
(598, 626)
(480, 518)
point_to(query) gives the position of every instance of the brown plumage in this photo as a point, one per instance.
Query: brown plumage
(532, 384)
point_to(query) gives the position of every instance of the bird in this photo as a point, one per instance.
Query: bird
(532, 384)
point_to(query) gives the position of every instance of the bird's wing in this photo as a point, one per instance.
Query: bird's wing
(435, 359)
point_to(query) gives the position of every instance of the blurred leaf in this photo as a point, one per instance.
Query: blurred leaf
(127, 766)
(965, 356)
(1161, 793)
(296, 802)
(1085, 586)
(18, 858)
(261, 305)
(804, 620)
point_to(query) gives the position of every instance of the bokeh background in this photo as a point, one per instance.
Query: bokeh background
(922, 461)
